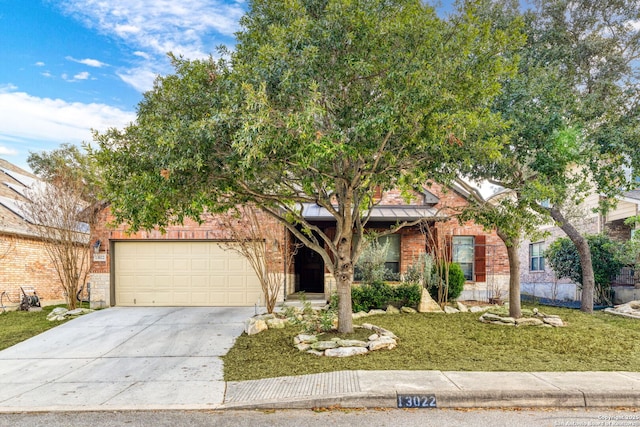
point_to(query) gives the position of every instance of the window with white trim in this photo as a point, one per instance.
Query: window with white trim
(536, 256)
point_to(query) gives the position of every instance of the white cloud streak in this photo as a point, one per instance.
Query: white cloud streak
(87, 61)
(152, 28)
(26, 121)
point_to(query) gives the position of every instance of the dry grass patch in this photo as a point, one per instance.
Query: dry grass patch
(457, 342)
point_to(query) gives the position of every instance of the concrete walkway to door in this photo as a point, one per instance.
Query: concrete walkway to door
(124, 358)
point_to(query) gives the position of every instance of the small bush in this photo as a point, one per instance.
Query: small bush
(455, 286)
(380, 295)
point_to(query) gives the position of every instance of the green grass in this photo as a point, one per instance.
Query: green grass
(599, 342)
(17, 326)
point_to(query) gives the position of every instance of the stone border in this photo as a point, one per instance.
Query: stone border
(337, 347)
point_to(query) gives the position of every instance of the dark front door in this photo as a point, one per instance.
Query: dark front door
(310, 270)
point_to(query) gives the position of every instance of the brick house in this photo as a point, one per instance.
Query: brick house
(538, 279)
(23, 257)
(192, 265)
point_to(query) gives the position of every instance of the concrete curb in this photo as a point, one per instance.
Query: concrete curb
(458, 399)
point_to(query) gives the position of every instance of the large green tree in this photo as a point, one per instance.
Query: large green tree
(572, 108)
(322, 101)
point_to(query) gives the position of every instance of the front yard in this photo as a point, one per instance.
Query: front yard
(17, 326)
(454, 342)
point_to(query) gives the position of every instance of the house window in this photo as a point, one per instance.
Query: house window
(463, 254)
(536, 257)
(393, 252)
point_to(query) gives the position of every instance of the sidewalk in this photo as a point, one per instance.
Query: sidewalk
(381, 389)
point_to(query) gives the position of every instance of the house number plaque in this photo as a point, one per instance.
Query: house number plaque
(426, 401)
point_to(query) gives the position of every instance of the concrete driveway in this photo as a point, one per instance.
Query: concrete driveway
(124, 358)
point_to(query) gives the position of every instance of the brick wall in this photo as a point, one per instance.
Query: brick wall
(211, 229)
(27, 264)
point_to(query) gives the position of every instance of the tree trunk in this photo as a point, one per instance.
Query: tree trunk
(512, 244)
(344, 279)
(582, 245)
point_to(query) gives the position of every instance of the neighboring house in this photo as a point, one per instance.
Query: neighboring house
(538, 279)
(191, 265)
(23, 257)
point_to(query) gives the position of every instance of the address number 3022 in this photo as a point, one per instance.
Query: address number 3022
(417, 401)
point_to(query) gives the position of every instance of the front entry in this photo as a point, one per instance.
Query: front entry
(309, 267)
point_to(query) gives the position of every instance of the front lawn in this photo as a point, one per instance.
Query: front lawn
(454, 342)
(17, 326)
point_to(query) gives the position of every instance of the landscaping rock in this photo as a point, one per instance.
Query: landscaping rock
(303, 346)
(509, 320)
(392, 309)
(480, 309)
(630, 309)
(529, 321)
(553, 321)
(488, 317)
(382, 343)
(408, 310)
(255, 326)
(316, 352)
(305, 338)
(450, 310)
(427, 304)
(359, 315)
(274, 323)
(373, 337)
(345, 351)
(324, 345)
(461, 307)
(351, 343)
(375, 311)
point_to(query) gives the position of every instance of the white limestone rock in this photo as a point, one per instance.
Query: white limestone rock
(345, 351)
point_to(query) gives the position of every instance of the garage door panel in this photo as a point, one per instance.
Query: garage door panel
(181, 273)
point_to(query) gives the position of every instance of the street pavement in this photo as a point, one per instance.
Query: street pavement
(151, 358)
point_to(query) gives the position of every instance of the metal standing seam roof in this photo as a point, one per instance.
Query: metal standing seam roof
(387, 213)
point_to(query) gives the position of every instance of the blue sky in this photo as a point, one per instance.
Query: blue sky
(69, 66)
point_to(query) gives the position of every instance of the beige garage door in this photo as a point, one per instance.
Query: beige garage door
(182, 273)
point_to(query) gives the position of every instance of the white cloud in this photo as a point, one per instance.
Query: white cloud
(81, 76)
(39, 64)
(87, 61)
(141, 79)
(5, 151)
(26, 121)
(156, 24)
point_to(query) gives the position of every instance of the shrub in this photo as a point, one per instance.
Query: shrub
(564, 260)
(455, 283)
(380, 295)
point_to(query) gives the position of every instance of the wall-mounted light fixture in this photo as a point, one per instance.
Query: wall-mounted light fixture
(96, 246)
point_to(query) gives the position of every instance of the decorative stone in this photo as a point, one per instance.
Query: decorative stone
(450, 310)
(408, 310)
(376, 311)
(382, 343)
(479, 309)
(351, 343)
(427, 304)
(76, 312)
(392, 309)
(265, 316)
(488, 317)
(373, 337)
(255, 326)
(304, 338)
(509, 320)
(359, 315)
(324, 345)
(316, 352)
(274, 323)
(529, 321)
(635, 305)
(303, 346)
(345, 351)
(461, 307)
(553, 321)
